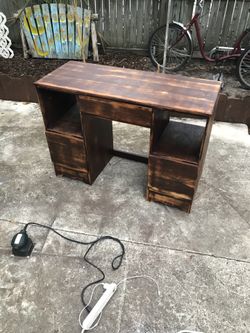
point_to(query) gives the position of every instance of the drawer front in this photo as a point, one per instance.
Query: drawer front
(169, 201)
(124, 112)
(71, 173)
(66, 150)
(172, 178)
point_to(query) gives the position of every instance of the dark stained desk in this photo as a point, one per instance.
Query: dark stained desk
(79, 101)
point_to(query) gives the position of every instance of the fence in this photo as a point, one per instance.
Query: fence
(130, 23)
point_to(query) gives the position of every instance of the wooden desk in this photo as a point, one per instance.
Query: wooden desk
(79, 101)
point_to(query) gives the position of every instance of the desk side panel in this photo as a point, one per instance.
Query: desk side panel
(98, 137)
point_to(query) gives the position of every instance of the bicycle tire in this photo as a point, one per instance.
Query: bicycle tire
(243, 69)
(245, 42)
(161, 32)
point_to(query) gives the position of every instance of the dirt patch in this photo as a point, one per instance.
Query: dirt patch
(37, 68)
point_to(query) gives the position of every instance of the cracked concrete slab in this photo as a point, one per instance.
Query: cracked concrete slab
(200, 260)
(198, 293)
(42, 294)
(30, 191)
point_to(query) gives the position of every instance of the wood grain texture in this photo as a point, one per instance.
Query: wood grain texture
(175, 164)
(94, 42)
(66, 150)
(54, 104)
(159, 123)
(80, 101)
(123, 112)
(41, 30)
(71, 30)
(31, 24)
(69, 123)
(28, 35)
(205, 142)
(172, 92)
(78, 174)
(57, 30)
(49, 30)
(98, 138)
(63, 30)
(170, 201)
(176, 179)
(86, 33)
(180, 141)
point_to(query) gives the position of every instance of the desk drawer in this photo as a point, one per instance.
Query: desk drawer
(66, 150)
(71, 173)
(118, 111)
(182, 204)
(172, 178)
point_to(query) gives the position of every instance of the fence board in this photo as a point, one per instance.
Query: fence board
(78, 37)
(41, 30)
(28, 35)
(130, 23)
(111, 37)
(56, 29)
(49, 31)
(131, 26)
(86, 32)
(34, 30)
(71, 31)
(63, 30)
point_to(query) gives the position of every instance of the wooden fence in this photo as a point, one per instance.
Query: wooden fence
(130, 23)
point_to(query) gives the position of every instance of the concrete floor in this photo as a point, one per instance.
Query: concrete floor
(200, 261)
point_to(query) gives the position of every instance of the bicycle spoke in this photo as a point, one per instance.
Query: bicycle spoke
(179, 47)
(245, 69)
(180, 53)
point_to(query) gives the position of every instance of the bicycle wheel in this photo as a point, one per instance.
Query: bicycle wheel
(179, 47)
(243, 68)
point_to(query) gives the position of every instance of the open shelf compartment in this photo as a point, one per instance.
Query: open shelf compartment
(61, 113)
(181, 140)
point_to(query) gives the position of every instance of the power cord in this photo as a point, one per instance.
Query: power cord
(22, 245)
(89, 324)
(140, 277)
(93, 318)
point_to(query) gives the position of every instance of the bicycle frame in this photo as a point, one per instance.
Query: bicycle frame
(235, 53)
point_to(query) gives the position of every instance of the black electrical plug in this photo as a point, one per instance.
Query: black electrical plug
(21, 244)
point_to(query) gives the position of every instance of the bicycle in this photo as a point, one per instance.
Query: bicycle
(180, 48)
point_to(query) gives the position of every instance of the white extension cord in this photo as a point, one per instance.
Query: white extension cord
(110, 288)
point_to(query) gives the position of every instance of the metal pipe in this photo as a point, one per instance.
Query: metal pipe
(166, 37)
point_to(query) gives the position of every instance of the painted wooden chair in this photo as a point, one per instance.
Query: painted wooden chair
(55, 31)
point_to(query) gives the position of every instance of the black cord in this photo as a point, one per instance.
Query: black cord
(116, 262)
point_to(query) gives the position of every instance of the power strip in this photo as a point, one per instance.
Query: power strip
(110, 289)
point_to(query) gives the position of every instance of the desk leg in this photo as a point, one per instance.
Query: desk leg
(98, 136)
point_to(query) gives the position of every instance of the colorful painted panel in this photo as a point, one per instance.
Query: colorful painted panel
(57, 31)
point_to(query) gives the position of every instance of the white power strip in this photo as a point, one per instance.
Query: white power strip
(110, 289)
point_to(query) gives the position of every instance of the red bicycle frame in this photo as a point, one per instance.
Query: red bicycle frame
(232, 54)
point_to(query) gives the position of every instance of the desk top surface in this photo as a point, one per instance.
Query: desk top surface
(163, 91)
